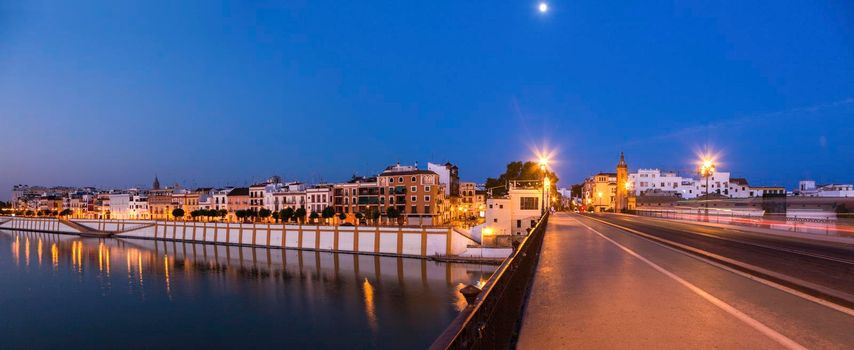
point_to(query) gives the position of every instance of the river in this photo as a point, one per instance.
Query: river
(64, 291)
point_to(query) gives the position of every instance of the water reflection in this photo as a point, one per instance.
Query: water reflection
(284, 297)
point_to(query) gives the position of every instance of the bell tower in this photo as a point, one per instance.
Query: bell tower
(622, 198)
(156, 184)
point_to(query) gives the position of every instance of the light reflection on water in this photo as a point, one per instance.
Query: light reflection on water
(221, 297)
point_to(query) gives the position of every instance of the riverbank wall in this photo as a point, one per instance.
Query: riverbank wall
(381, 240)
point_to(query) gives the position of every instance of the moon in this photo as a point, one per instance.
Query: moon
(543, 7)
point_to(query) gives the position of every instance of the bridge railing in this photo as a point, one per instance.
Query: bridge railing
(492, 320)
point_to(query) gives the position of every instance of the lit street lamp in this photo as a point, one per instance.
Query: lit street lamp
(544, 162)
(707, 169)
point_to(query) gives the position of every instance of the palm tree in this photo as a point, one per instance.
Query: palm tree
(374, 215)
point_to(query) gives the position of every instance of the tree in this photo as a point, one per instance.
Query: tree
(575, 190)
(314, 216)
(287, 214)
(276, 217)
(222, 213)
(359, 217)
(392, 214)
(342, 217)
(520, 171)
(374, 215)
(299, 214)
(264, 213)
(178, 213)
(195, 214)
(65, 212)
(327, 213)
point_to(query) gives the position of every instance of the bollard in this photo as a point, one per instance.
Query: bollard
(470, 292)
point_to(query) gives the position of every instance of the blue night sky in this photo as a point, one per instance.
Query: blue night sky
(207, 93)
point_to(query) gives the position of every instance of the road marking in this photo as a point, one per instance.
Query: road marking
(793, 251)
(759, 326)
(693, 253)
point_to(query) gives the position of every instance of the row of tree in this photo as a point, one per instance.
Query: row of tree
(44, 212)
(288, 215)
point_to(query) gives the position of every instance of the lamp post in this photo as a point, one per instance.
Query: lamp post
(707, 169)
(543, 163)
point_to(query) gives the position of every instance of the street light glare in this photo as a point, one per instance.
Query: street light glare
(543, 7)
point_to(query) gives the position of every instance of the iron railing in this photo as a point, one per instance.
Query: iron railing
(492, 320)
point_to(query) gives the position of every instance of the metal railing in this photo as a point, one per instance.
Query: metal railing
(492, 319)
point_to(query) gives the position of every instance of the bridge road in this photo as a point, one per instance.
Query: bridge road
(597, 286)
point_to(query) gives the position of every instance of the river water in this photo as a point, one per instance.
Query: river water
(64, 291)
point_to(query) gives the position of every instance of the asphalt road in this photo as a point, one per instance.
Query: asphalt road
(598, 286)
(826, 264)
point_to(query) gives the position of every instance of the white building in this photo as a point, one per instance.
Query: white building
(318, 198)
(513, 214)
(719, 183)
(138, 208)
(220, 199)
(808, 188)
(654, 179)
(449, 176)
(119, 205)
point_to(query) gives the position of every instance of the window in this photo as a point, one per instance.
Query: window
(518, 223)
(426, 209)
(494, 220)
(426, 198)
(426, 188)
(414, 198)
(414, 210)
(413, 189)
(528, 203)
(490, 206)
(400, 179)
(501, 206)
(413, 179)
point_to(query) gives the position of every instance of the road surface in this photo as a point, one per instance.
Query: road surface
(598, 286)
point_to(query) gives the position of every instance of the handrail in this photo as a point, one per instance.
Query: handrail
(491, 320)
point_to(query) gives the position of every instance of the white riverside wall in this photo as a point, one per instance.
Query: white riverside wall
(37, 224)
(388, 240)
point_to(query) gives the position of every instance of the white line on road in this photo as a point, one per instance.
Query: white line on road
(759, 326)
(692, 253)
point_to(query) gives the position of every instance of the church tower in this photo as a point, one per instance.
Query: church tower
(156, 184)
(622, 198)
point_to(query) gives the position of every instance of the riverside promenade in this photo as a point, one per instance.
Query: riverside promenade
(597, 286)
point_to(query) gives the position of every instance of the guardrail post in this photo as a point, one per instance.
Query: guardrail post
(470, 292)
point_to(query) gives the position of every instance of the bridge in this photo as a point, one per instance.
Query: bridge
(623, 281)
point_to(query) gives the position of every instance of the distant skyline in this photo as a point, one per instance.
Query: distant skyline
(214, 93)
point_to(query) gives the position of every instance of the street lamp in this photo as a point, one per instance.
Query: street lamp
(544, 162)
(707, 169)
